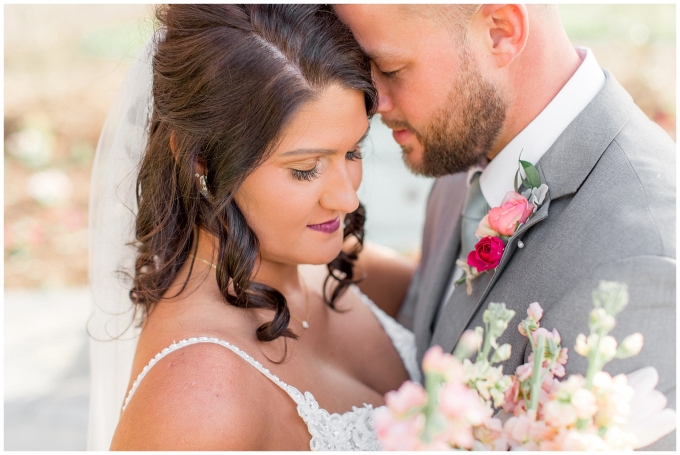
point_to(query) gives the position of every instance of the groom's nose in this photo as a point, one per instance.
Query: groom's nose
(384, 99)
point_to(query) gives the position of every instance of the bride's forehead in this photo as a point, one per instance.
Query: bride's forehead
(337, 115)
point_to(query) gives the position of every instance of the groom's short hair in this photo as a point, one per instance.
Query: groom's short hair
(458, 16)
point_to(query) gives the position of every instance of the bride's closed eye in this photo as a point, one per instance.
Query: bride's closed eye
(354, 154)
(311, 174)
(307, 175)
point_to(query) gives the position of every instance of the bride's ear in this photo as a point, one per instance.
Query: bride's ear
(199, 162)
(173, 144)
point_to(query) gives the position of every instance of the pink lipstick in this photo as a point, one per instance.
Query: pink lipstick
(328, 227)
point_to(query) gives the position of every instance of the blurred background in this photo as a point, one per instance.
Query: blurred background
(63, 65)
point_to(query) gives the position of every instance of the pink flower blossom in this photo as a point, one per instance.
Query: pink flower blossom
(523, 372)
(436, 360)
(558, 370)
(487, 254)
(513, 210)
(511, 396)
(554, 335)
(490, 436)
(584, 404)
(458, 401)
(535, 311)
(409, 396)
(471, 340)
(459, 433)
(559, 415)
(398, 434)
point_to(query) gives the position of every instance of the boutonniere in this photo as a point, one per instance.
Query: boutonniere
(501, 223)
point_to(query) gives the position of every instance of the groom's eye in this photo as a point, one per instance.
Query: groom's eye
(389, 74)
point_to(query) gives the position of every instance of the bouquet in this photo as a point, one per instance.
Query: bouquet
(474, 406)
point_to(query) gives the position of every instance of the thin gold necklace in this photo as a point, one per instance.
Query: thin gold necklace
(305, 322)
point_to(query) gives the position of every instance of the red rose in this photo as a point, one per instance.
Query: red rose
(487, 254)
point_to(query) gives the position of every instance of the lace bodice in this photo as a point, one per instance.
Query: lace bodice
(352, 430)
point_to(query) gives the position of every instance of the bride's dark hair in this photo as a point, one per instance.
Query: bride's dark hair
(226, 80)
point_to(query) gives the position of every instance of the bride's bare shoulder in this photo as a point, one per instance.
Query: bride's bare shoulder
(200, 397)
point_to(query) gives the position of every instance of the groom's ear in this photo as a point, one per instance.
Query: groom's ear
(504, 30)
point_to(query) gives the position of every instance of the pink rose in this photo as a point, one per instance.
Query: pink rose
(487, 254)
(514, 209)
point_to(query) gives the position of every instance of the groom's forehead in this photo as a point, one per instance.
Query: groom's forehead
(383, 31)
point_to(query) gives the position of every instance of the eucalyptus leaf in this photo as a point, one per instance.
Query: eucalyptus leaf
(533, 179)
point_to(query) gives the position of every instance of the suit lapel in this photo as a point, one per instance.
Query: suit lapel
(441, 269)
(440, 249)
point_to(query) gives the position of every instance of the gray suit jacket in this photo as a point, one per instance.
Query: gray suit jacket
(609, 215)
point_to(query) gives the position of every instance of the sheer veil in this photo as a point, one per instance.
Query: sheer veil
(112, 326)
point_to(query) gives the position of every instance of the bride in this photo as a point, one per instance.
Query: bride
(242, 126)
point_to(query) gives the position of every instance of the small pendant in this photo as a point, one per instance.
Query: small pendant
(520, 244)
(305, 325)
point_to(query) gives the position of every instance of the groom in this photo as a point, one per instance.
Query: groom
(466, 89)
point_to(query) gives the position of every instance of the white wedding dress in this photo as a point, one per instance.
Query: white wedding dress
(352, 430)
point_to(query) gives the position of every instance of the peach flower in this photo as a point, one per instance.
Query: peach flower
(513, 210)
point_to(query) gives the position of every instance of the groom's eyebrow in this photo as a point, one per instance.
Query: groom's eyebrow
(320, 151)
(383, 54)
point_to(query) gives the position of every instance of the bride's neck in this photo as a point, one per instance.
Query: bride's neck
(282, 277)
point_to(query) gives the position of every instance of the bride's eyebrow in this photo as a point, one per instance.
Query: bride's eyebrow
(320, 151)
(308, 152)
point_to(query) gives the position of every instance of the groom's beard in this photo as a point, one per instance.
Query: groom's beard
(461, 133)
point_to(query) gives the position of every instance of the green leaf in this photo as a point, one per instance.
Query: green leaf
(514, 182)
(533, 179)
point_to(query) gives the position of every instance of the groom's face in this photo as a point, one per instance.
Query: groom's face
(443, 113)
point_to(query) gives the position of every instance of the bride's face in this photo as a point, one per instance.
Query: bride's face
(296, 201)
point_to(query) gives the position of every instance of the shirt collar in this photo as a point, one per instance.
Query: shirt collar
(534, 140)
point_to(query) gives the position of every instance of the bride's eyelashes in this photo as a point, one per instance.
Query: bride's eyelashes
(354, 154)
(310, 174)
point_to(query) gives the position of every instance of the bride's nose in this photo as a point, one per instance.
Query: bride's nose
(340, 191)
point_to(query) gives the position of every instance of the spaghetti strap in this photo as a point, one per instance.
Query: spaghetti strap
(188, 342)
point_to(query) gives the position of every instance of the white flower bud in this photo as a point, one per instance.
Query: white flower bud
(582, 347)
(608, 347)
(630, 346)
(501, 354)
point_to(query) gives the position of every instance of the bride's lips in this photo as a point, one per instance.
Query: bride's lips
(327, 227)
(401, 136)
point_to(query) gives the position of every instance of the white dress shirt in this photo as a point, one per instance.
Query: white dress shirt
(534, 140)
